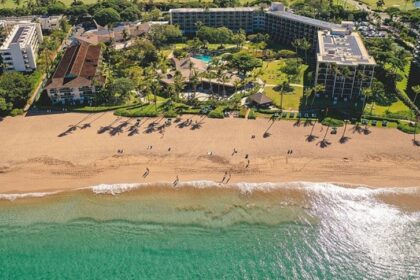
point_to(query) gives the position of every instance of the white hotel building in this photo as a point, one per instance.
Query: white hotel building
(19, 50)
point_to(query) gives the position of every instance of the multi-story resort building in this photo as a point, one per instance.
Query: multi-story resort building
(77, 76)
(19, 49)
(249, 19)
(343, 64)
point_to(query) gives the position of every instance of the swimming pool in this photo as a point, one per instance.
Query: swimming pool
(203, 57)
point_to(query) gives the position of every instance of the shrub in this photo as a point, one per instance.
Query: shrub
(170, 114)
(242, 113)
(16, 112)
(407, 128)
(216, 114)
(332, 122)
(251, 115)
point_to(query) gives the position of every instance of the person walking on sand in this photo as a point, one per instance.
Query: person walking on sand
(228, 179)
(146, 173)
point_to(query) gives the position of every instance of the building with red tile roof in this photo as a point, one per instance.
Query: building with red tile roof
(77, 76)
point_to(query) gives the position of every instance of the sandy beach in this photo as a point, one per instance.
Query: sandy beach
(73, 150)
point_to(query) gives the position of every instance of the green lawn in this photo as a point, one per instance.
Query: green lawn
(390, 3)
(273, 76)
(396, 107)
(12, 4)
(291, 101)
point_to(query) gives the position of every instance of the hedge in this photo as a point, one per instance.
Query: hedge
(216, 114)
(406, 128)
(332, 122)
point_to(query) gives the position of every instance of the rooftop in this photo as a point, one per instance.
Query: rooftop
(78, 67)
(306, 20)
(20, 33)
(233, 9)
(260, 99)
(342, 49)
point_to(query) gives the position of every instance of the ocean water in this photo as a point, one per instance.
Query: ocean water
(201, 230)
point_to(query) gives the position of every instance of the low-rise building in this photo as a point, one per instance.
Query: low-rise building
(19, 49)
(120, 32)
(50, 22)
(47, 23)
(343, 66)
(77, 77)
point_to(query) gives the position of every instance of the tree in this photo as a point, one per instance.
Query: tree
(305, 45)
(244, 62)
(15, 89)
(164, 34)
(121, 89)
(239, 38)
(416, 90)
(107, 16)
(194, 80)
(367, 92)
(283, 85)
(380, 4)
(317, 88)
(307, 92)
(179, 83)
(130, 14)
(218, 35)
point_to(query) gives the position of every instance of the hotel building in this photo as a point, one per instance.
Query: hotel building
(19, 49)
(342, 62)
(343, 66)
(77, 76)
(249, 19)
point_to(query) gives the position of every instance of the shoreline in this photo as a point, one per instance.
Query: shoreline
(36, 156)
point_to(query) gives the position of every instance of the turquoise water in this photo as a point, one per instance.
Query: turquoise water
(203, 57)
(310, 231)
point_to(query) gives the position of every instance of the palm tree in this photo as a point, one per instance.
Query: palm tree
(179, 83)
(345, 72)
(367, 93)
(18, 2)
(305, 45)
(219, 76)
(224, 80)
(317, 88)
(3, 2)
(337, 73)
(237, 84)
(296, 44)
(416, 90)
(307, 92)
(194, 81)
(283, 85)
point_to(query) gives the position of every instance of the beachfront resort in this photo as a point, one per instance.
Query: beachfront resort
(258, 61)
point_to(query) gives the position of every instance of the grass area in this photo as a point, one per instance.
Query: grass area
(291, 101)
(273, 76)
(401, 4)
(397, 107)
(12, 4)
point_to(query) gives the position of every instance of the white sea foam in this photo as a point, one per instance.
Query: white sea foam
(14, 196)
(245, 187)
(114, 188)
